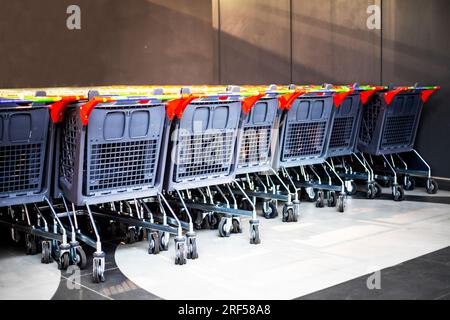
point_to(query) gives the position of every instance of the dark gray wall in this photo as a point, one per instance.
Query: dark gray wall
(234, 41)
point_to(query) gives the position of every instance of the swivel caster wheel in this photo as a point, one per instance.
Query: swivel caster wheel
(409, 183)
(254, 232)
(269, 210)
(236, 226)
(351, 188)
(46, 254)
(288, 213)
(98, 267)
(64, 260)
(180, 251)
(332, 199)
(164, 238)
(213, 225)
(341, 203)
(296, 207)
(80, 258)
(191, 240)
(31, 244)
(432, 186)
(378, 190)
(370, 192)
(154, 245)
(397, 193)
(311, 194)
(131, 236)
(225, 227)
(320, 202)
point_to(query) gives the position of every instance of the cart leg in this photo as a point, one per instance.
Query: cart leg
(98, 267)
(432, 185)
(254, 222)
(191, 237)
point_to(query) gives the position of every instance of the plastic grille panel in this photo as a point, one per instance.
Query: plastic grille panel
(342, 132)
(20, 167)
(369, 120)
(304, 139)
(205, 155)
(398, 130)
(255, 146)
(68, 147)
(122, 164)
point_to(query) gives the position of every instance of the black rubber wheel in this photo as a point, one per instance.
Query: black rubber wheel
(432, 186)
(192, 252)
(213, 221)
(46, 255)
(236, 226)
(370, 191)
(288, 213)
(98, 275)
(311, 196)
(154, 245)
(378, 190)
(254, 234)
(180, 254)
(30, 244)
(341, 203)
(271, 211)
(398, 193)
(81, 258)
(332, 199)
(320, 202)
(64, 261)
(353, 189)
(131, 236)
(163, 241)
(224, 230)
(409, 183)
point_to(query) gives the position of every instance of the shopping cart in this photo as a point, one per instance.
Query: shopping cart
(26, 163)
(389, 127)
(204, 148)
(110, 153)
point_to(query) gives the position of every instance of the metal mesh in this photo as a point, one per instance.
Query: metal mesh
(20, 167)
(255, 146)
(206, 154)
(369, 120)
(342, 132)
(122, 164)
(398, 130)
(304, 139)
(68, 147)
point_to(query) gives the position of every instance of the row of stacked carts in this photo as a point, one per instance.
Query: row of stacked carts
(151, 162)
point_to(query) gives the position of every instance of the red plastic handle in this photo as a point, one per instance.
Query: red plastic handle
(86, 109)
(58, 108)
(389, 96)
(339, 97)
(249, 102)
(365, 95)
(177, 106)
(286, 100)
(425, 94)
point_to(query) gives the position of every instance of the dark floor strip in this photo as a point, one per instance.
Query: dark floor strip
(425, 278)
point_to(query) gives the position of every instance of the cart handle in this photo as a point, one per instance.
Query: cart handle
(249, 102)
(285, 101)
(366, 94)
(425, 94)
(339, 97)
(58, 108)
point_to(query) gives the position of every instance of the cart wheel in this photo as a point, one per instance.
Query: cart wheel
(332, 199)
(164, 238)
(398, 193)
(370, 192)
(192, 252)
(236, 226)
(154, 245)
(140, 235)
(180, 251)
(432, 186)
(81, 258)
(296, 210)
(198, 221)
(270, 211)
(320, 202)
(351, 188)
(311, 194)
(378, 190)
(288, 212)
(224, 227)
(63, 261)
(16, 237)
(130, 236)
(213, 221)
(409, 183)
(46, 255)
(341, 203)
(30, 244)
(98, 272)
(254, 232)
